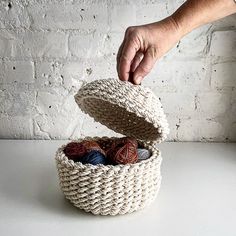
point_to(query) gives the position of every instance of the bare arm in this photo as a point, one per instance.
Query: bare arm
(194, 13)
(144, 45)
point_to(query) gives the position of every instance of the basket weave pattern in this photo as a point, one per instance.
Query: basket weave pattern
(131, 110)
(139, 110)
(110, 190)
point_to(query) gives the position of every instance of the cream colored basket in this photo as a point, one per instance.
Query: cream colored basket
(131, 110)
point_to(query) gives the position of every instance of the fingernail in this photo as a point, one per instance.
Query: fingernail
(138, 80)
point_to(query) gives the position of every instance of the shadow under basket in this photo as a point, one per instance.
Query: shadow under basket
(131, 110)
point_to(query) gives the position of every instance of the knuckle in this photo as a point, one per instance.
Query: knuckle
(123, 58)
(145, 69)
(130, 29)
(153, 52)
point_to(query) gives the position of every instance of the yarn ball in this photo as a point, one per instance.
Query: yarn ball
(75, 150)
(92, 146)
(123, 154)
(124, 140)
(105, 144)
(143, 154)
(94, 157)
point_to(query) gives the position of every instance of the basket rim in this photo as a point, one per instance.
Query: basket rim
(68, 163)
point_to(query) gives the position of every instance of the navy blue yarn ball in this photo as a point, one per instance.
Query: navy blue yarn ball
(94, 158)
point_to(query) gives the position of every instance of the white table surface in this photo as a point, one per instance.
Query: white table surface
(197, 196)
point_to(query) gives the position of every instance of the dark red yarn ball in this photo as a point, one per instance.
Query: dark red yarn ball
(105, 144)
(122, 141)
(92, 146)
(75, 150)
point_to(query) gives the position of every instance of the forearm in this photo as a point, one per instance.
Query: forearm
(194, 13)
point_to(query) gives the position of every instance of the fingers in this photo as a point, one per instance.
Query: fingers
(134, 61)
(118, 55)
(127, 55)
(137, 59)
(145, 66)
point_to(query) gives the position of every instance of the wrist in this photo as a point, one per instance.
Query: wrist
(183, 25)
(176, 27)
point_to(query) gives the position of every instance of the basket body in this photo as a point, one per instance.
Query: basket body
(110, 190)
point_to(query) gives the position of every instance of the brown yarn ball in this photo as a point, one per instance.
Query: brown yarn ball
(123, 151)
(75, 150)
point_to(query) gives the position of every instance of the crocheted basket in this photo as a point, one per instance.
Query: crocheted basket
(134, 111)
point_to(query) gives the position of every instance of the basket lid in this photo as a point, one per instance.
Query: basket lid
(132, 110)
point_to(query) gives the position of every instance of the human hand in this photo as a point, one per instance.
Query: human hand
(143, 46)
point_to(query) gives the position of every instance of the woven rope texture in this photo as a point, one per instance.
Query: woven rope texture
(110, 190)
(132, 110)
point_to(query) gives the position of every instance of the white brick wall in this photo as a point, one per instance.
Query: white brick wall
(48, 48)
(66, 15)
(223, 44)
(18, 71)
(21, 43)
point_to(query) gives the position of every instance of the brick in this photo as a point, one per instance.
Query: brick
(100, 69)
(87, 46)
(74, 73)
(51, 102)
(195, 44)
(58, 74)
(173, 122)
(179, 104)
(49, 74)
(93, 128)
(148, 13)
(112, 43)
(18, 127)
(232, 118)
(27, 44)
(232, 133)
(223, 75)
(71, 15)
(172, 76)
(223, 44)
(200, 130)
(1, 72)
(48, 103)
(17, 103)
(122, 16)
(190, 74)
(213, 104)
(227, 22)
(13, 15)
(18, 71)
(7, 42)
(5, 100)
(161, 78)
(44, 44)
(56, 102)
(233, 101)
(51, 108)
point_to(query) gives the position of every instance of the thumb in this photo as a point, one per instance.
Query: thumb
(146, 65)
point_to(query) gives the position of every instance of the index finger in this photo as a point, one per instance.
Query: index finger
(118, 56)
(127, 55)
